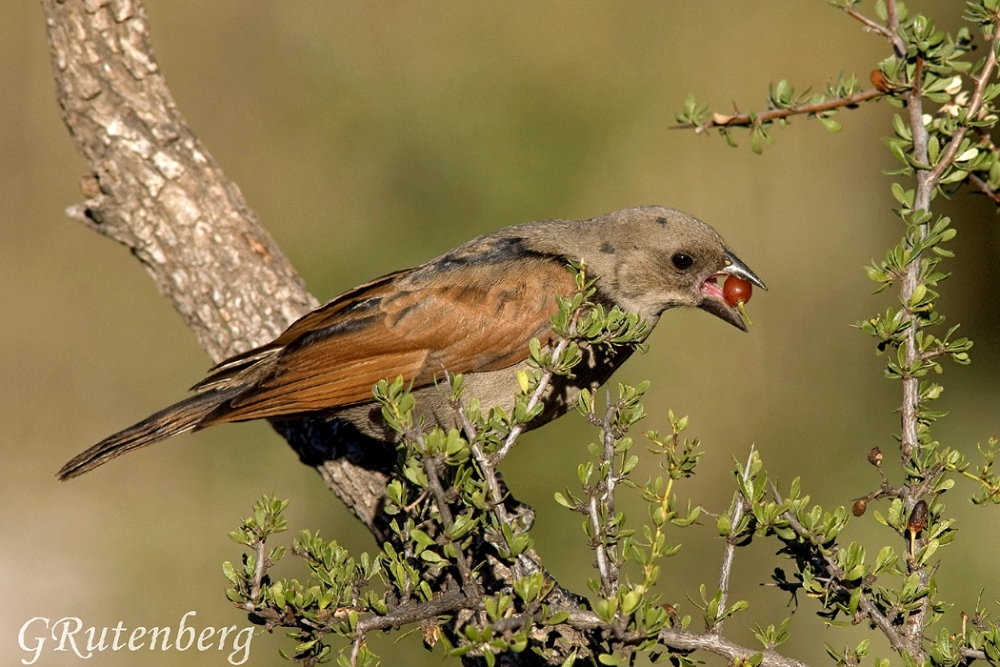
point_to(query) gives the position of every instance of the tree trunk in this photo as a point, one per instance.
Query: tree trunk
(157, 190)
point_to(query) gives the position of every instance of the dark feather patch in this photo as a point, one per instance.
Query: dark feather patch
(338, 328)
(497, 251)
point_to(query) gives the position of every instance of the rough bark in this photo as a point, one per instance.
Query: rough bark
(156, 189)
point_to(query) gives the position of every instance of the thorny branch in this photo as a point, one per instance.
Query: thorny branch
(441, 501)
(927, 181)
(601, 508)
(898, 642)
(739, 506)
(487, 464)
(536, 396)
(258, 578)
(605, 523)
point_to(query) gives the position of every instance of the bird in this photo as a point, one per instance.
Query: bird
(472, 310)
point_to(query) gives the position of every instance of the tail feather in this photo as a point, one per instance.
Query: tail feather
(178, 418)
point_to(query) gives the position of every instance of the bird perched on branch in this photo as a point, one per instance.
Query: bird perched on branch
(473, 310)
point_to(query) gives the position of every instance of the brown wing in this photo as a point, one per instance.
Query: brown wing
(415, 324)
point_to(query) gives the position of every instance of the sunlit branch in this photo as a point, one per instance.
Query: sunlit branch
(752, 120)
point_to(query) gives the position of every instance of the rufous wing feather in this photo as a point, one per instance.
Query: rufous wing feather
(411, 324)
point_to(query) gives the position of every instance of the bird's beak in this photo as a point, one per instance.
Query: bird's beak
(712, 298)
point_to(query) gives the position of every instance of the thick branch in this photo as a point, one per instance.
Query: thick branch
(580, 621)
(683, 640)
(157, 190)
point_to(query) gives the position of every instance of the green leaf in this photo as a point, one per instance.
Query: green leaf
(830, 124)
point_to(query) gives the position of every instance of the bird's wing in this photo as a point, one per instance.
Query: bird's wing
(416, 324)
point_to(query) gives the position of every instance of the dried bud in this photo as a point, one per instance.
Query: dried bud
(431, 632)
(90, 186)
(918, 518)
(860, 505)
(879, 81)
(671, 612)
(875, 456)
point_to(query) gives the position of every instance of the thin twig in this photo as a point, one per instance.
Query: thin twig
(730, 552)
(602, 530)
(984, 188)
(872, 25)
(887, 31)
(608, 457)
(748, 120)
(536, 396)
(485, 464)
(609, 583)
(927, 180)
(436, 489)
(604, 544)
(492, 483)
(525, 564)
(911, 278)
(359, 639)
(441, 500)
(972, 654)
(259, 570)
(892, 22)
(975, 111)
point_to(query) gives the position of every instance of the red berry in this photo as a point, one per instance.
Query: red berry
(736, 291)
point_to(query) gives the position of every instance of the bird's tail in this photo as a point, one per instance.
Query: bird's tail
(178, 418)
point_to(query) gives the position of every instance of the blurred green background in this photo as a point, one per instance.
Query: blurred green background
(373, 136)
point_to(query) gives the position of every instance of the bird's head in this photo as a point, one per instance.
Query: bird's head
(653, 258)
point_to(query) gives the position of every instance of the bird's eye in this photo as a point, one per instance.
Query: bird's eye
(682, 261)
